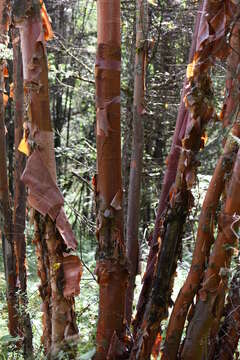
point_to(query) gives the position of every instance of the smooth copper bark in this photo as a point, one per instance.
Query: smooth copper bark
(111, 259)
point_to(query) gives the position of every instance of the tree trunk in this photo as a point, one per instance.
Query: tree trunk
(169, 178)
(5, 201)
(111, 259)
(205, 236)
(199, 101)
(57, 240)
(137, 150)
(20, 197)
(226, 342)
(211, 294)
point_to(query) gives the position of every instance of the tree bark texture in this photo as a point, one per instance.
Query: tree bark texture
(214, 282)
(168, 181)
(137, 150)
(20, 196)
(199, 101)
(5, 201)
(205, 236)
(61, 268)
(111, 258)
(226, 343)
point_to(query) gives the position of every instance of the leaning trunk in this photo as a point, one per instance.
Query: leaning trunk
(205, 235)
(199, 101)
(168, 181)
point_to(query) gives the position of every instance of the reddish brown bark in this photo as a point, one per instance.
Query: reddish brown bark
(5, 201)
(169, 178)
(20, 197)
(111, 259)
(199, 101)
(206, 222)
(214, 283)
(137, 150)
(62, 271)
(226, 343)
(204, 241)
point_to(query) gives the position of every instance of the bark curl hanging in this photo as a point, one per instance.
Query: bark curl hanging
(54, 237)
(199, 100)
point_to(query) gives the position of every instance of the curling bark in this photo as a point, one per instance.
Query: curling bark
(199, 101)
(53, 234)
(168, 181)
(205, 236)
(111, 259)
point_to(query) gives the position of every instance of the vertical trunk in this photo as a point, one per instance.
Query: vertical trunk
(20, 195)
(111, 259)
(63, 270)
(5, 202)
(169, 178)
(205, 228)
(199, 101)
(137, 150)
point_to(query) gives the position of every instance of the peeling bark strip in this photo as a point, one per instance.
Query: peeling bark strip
(204, 241)
(215, 280)
(60, 271)
(205, 236)
(111, 259)
(20, 196)
(199, 101)
(137, 150)
(5, 206)
(169, 179)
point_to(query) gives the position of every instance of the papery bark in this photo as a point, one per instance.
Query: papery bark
(111, 258)
(226, 342)
(132, 241)
(199, 101)
(214, 285)
(53, 233)
(20, 197)
(5, 201)
(205, 236)
(168, 181)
